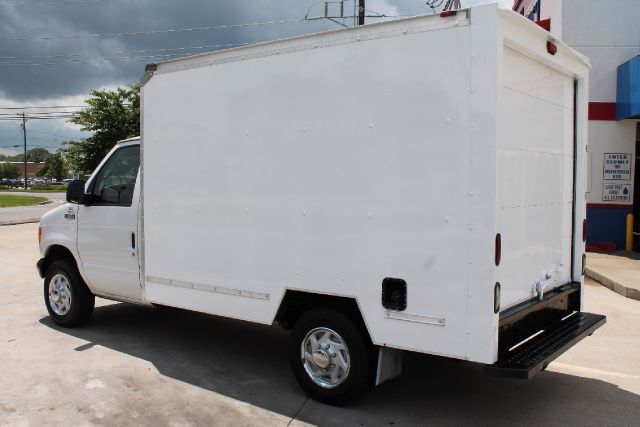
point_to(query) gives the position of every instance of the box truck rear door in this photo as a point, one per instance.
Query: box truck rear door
(535, 177)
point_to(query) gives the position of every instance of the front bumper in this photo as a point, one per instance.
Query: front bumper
(534, 333)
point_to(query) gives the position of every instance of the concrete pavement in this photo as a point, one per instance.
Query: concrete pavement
(25, 214)
(142, 366)
(618, 271)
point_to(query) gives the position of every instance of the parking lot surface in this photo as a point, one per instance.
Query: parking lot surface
(143, 366)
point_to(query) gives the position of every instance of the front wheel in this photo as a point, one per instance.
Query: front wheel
(67, 298)
(331, 358)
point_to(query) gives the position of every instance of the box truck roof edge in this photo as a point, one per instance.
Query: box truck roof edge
(247, 51)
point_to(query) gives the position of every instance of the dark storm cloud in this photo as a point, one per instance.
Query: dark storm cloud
(21, 81)
(25, 80)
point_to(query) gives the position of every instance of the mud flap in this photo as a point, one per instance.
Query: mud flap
(389, 364)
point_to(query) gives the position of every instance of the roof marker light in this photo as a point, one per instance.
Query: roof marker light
(448, 13)
(552, 48)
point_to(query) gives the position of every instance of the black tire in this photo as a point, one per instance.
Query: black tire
(360, 374)
(82, 300)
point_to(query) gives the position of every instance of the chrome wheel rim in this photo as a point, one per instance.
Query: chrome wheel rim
(325, 357)
(60, 294)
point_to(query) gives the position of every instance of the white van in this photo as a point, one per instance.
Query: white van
(376, 189)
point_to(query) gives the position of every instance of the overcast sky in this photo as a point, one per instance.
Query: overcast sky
(53, 52)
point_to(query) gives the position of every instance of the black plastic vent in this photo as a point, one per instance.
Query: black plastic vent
(394, 294)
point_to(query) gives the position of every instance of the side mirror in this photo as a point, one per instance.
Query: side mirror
(75, 192)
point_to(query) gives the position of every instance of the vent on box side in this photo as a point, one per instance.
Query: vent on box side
(394, 294)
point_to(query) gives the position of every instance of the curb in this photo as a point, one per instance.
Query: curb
(19, 221)
(613, 285)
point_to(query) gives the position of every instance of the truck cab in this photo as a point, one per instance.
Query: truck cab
(98, 232)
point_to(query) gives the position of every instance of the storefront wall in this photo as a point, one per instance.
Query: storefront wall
(609, 35)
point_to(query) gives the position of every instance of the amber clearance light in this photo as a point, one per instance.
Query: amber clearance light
(39, 235)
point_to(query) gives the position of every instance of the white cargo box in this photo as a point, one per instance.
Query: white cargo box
(329, 162)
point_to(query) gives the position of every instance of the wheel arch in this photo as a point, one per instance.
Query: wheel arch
(56, 252)
(295, 303)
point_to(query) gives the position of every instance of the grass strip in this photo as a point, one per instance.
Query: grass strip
(10, 200)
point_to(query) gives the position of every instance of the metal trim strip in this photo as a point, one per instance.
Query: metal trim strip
(209, 288)
(430, 320)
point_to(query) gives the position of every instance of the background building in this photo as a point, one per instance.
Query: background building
(608, 32)
(32, 168)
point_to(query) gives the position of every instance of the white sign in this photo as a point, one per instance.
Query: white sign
(617, 166)
(616, 193)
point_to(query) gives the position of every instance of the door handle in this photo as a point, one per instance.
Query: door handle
(132, 248)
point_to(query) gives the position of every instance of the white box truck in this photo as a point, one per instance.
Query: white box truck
(414, 185)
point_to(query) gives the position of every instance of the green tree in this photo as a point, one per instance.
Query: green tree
(54, 167)
(38, 155)
(16, 158)
(112, 115)
(9, 170)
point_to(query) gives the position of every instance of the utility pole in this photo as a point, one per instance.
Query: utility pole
(24, 134)
(361, 12)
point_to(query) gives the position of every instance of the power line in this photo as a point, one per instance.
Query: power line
(139, 33)
(40, 106)
(32, 137)
(99, 60)
(18, 118)
(51, 133)
(105, 61)
(42, 113)
(62, 3)
(435, 4)
(94, 60)
(128, 51)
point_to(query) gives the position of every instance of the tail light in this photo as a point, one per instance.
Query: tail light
(584, 230)
(498, 249)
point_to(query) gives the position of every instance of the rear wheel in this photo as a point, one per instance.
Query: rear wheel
(331, 357)
(67, 298)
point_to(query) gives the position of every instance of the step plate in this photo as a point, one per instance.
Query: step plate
(529, 358)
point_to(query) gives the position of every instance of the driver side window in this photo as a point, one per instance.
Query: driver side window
(116, 180)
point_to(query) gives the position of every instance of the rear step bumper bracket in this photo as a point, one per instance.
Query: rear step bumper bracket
(533, 356)
(534, 333)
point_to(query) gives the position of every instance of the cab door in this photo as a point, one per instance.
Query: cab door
(108, 226)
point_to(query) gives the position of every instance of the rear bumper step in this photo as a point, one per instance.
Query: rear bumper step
(532, 356)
